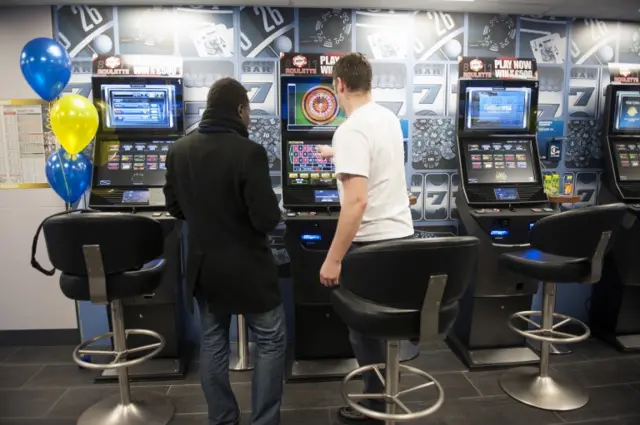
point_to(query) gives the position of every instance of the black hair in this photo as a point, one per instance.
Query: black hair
(355, 72)
(227, 94)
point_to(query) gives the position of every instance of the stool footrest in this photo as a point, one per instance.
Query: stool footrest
(552, 335)
(393, 399)
(117, 362)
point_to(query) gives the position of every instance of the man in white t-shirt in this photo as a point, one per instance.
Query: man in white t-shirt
(368, 153)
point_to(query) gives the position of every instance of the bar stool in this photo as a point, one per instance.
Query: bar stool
(403, 290)
(565, 248)
(105, 258)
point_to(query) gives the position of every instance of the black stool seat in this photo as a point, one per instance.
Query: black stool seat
(399, 290)
(547, 267)
(381, 321)
(129, 247)
(119, 285)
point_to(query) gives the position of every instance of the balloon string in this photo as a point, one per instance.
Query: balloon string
(67, 205)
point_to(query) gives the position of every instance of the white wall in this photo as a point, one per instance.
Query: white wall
(28, 299)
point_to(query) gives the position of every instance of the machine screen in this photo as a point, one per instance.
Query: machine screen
(132, 163)
(628, 160)
(491, 162)
(506, 193)
(324, 196)
(135, 197)
(497, 108)
(310, 104)
(627, 116)
(140, 106)
(305, 166)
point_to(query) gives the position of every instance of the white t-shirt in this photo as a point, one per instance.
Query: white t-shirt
(370, 144)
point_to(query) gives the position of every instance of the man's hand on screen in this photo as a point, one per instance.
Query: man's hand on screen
(326, 151)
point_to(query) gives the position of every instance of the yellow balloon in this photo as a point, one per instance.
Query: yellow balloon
(74, 121)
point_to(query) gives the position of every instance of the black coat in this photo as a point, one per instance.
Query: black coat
(218, 181)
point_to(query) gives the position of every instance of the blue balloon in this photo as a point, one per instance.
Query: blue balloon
(46, 66)
(68, 175)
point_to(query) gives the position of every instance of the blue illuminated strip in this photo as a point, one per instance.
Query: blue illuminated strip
(502, 233)
(308, 237)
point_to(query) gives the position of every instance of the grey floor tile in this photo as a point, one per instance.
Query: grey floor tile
(486, 381)
(437, 362)
(602, 372)
(434, 346)
(594, 349)
(308, 395)
(62, 376)
(6, 351)
(606, 402)
(42, 355)
(288, 417)
(454, 385)
(77, 400)
(189, 399)
(28, 403)
(499, 410)
(15, 376)
(628, 420)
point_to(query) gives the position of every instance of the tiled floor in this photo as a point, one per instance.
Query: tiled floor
(41, 386)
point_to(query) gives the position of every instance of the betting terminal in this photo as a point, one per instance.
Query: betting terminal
(614, 313)
(139, 101)
(501, 197)
(310, 116)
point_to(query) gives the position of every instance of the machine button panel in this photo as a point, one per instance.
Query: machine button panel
(157, 214)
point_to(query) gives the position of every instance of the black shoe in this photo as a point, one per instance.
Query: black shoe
(349, 415)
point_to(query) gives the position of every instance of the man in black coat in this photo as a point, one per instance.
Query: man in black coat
(218, 181)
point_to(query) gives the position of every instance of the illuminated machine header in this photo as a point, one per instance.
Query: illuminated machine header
(137, 66)
(624, 73)
(305, 65)
(501, 68)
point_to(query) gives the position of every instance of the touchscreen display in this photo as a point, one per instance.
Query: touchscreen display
(132, 163)
(141, 105)
(509, 161)
(627, 157)
(497, 108)
(310, 104)
(627, 116)
(305, 166)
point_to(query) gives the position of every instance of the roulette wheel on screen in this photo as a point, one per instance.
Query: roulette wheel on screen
(320, 105)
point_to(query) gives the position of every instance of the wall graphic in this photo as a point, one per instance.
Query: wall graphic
(415, 73)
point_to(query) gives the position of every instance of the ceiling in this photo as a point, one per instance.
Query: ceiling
(627, 10)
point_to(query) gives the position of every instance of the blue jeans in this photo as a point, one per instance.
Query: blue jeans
(370, 351)
(268, 375)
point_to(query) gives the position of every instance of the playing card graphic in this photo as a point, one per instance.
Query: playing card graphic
(549, 49)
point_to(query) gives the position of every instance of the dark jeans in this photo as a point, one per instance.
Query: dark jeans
(268, 375)
(370, 351)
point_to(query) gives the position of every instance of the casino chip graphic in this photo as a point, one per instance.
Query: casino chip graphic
(434, 144)
(320, 105)
(266, 132)
(499, 33)
(583, 148)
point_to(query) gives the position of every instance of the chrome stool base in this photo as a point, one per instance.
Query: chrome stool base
(392, 397)
(555, 392)
(146, 408)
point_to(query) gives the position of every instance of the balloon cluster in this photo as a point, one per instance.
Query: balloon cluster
(74, 120)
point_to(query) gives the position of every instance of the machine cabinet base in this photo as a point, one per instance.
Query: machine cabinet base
(487, 358)
(321, 369)
(624, 343)
(152, 370)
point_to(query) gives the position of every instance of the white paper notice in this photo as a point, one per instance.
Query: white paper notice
(22, 143)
